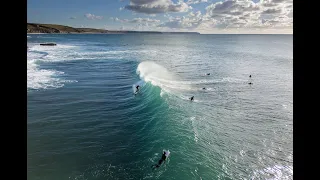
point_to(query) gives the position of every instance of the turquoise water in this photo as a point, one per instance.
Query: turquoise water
(84, 122)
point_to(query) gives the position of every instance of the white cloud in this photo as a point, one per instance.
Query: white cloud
(196, 1)
(139, 20)
(232, 8)
(191, 21)
(157, 6)
(233, 14)
(136, 20)
(119, 20)
(272, 11)
(92, 16)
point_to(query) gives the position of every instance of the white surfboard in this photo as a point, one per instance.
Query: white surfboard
(167, 153)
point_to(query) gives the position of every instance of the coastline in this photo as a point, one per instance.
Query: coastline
(36, 28)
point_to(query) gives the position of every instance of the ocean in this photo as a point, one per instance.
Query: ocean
(84, 122)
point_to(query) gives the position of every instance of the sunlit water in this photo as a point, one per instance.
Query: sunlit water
(85, 123)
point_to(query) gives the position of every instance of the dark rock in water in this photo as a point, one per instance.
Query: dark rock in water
(48, 44)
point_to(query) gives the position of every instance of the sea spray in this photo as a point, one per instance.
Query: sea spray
(159, 76)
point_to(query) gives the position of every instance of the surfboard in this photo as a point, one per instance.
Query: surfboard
(167, 153)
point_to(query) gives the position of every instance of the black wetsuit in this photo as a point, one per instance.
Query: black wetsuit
(163, 158)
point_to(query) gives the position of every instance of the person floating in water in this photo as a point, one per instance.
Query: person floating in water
(250, 82)
(163, 158)
(192, 98)
(208, 74)
(204, 88)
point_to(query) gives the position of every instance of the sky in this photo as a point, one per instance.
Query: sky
(204, 16)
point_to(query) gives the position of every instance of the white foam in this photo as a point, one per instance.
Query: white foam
(159, 76)
(55, 53)
(276, 172)
(196, 135)
(38, 78)
(41, 78)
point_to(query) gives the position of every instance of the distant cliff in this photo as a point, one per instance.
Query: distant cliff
(54, 28)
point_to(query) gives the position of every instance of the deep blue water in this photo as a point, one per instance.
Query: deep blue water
(85, 123)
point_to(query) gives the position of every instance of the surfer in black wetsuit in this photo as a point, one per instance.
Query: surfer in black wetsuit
(192, 98)
(137, 87)
(250, 78)
(163, 158)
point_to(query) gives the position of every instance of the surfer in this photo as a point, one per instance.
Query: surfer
(204, 88)
(137, 87)
(208, 74)
(250, 83)
(192, 98)
(163, 158)
(250, 76)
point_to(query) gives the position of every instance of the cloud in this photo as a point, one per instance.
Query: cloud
(247, 14)
(231, 7)
(119, 20)
(228, 14)
(272, 11)
(191, 21)
(136, 20)
(140, 20)
(157, 6)
(72, 17)
(92, 16)
(196, 1)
